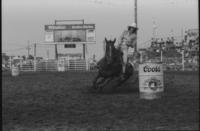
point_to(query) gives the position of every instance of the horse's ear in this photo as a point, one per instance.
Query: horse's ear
(106, 40)
(114, 40)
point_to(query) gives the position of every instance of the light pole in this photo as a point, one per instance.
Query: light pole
(28, 48)
(135, 50)
(154, 29)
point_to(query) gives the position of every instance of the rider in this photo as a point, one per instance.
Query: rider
(126, 40)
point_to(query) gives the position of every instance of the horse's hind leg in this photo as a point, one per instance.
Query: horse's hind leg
(101, 86)
(95, 81)
(96, 84)
(121, 82)
(108, 80)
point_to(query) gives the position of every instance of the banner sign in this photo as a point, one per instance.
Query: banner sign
(70, 27)
(70, 36)
(49, 36)
(90, 35)
(70, 33)
(192, 32)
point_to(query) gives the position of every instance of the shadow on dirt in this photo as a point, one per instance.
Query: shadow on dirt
(127, 88)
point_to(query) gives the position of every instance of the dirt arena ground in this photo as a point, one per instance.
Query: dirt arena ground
(63, 101)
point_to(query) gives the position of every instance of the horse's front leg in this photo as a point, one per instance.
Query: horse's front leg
(96, 81)
(120, 82)
(108, 80)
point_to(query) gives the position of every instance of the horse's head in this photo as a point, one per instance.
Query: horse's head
(109, 50)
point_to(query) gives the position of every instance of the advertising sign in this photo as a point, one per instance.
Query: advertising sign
(150, 79)
(69, 27)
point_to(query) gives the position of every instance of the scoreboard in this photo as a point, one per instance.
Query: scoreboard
(70, 33)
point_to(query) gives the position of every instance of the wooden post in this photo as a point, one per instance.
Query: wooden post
(56, 52)
(161, 55)
(84, 51)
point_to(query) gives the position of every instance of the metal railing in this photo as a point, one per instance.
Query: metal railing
(52, 65)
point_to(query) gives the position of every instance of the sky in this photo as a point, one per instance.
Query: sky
(23, 21)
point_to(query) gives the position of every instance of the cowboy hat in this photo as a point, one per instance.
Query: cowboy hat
(133, 25)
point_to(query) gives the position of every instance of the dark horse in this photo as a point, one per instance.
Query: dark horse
(110, 66)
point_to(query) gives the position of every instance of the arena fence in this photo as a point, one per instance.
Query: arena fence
(83, 65)
(27, 67)
(52, 65)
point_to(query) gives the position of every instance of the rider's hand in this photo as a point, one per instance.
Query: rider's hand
(131, 45)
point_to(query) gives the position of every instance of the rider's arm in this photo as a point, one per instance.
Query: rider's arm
(133, 41)
(121, 37)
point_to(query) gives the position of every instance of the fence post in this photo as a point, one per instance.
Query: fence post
(75, 64)
(87, 65)
(35, 65)
(20, 64)
(57, 62)
(68, 64)
(64, 64)
(10, 63)
(183, 61)
(46, 65)
(35, 57)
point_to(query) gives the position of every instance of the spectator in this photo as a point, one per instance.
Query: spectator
(167, 41)
(172, 40)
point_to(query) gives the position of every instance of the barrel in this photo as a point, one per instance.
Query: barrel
(15, 71)
(151, 84)
(61, 65)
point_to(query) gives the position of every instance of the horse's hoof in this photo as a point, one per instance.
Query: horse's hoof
(114, 88)
(100, 89)
(95, 87)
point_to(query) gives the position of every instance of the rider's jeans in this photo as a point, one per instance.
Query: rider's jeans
(124, 49)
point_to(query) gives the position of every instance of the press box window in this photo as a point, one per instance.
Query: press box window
(70, 46)
(90, 31)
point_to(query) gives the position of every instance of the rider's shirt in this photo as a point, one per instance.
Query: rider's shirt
(126, 39)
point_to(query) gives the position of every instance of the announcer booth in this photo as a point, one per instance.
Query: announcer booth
(70, 36)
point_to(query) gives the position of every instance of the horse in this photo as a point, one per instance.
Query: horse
(110, 66)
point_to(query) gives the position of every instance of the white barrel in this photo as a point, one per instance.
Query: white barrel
(15, 71)
(151, 84)
(61, 65)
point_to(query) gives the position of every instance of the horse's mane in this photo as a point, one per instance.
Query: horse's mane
(117, 54)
